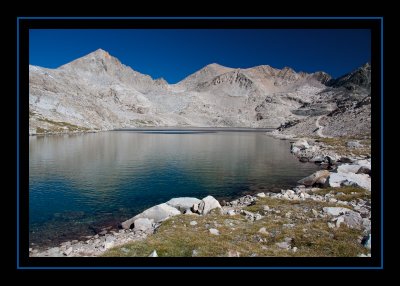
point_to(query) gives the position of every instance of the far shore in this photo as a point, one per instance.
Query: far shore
(195, 129)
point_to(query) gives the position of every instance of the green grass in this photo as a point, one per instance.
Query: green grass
(312, 236)
(338, 144)
(59, 126)
(346, 193)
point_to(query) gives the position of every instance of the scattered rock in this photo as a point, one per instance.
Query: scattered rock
(143, 224)
(289, 225)
(68, 251)
(331, 225)
(303, 159)
(109, 242)
(214, 231)
(301, 144)
(261, 195)
(266, 208)
(283, 245)
(231, 212)
(351, 219)
(193, 222)
(233, 253)
(335, 211)
(346, 160)
(263, 230)
(354, 144)
(364, 170)
(153, 254)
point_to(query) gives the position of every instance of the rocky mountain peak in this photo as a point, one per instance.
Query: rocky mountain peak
(361, 77)
(97, 61)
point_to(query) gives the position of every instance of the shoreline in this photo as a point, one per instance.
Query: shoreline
(118, 237)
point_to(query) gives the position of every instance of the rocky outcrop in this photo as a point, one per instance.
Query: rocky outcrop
(98, 92)
(206, 205)
(318, 178)
(157, 213)
(183, 203)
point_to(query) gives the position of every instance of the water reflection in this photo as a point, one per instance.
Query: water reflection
(114, 171)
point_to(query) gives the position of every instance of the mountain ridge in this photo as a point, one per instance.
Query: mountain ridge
(98, 92)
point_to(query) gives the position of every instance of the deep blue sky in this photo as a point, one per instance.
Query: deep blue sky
(174, 54)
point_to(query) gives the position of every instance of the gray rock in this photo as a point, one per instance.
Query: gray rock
(233, 253)
(283, 245)
(153, 254)
(364, 170)
(347, 168)
(183, 204)
(231, 212)
(68, 251)
(354, 144)
(303, 159)
(351, 219)
(143, 224)
(207, 204)
(214, 231)
(317, 159)
(335, 211)
(263, 230)
(331, 160)
(336, 179)
(318, 177)
(295, 150)
(266, 208)
(193, 222)
(301, 144)
(157, 213)
(109, 242)
(346, 160)
(261, 195)
(366, 223)
(289, 225)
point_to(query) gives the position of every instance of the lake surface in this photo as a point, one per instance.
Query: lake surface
(80, 183)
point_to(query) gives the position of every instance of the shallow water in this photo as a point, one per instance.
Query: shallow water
(78, 183)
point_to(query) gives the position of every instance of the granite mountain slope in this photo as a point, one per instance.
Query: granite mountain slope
(98, 92)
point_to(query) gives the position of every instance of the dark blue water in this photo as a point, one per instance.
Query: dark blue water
(79, 183)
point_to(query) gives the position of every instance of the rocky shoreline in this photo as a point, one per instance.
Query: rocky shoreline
(341, 209)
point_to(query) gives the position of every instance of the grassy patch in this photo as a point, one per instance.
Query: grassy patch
(59, 126)
(346, 193)
(338, 144)
(286, 219)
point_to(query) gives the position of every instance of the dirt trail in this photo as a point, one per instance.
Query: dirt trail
(320, 128)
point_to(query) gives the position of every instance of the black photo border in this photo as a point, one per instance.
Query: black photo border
(24, 24)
